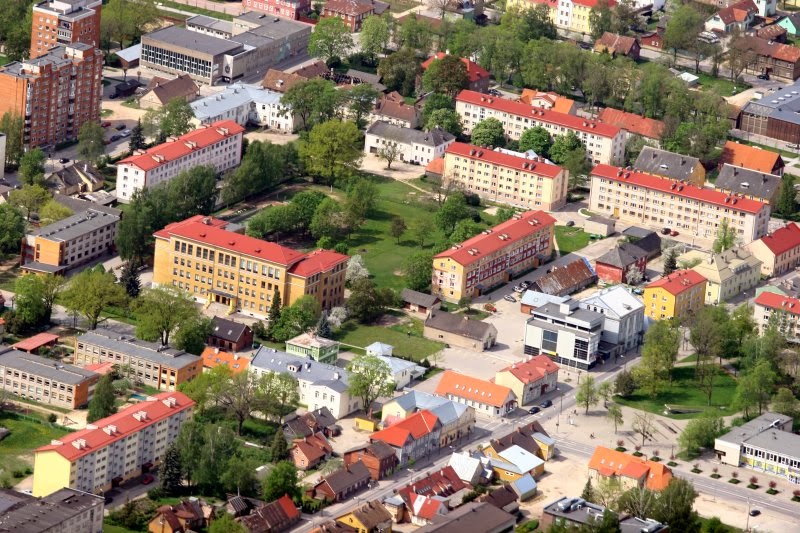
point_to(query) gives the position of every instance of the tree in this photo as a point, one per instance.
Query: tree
(785, 403)
(173, 119)
(421, 229)
(170, 475)
(786, 204)
(601, 19)
(323, 328)
(219, 445)
(370, 378)
(240, 476)
(660, 348)
(297, 318)
(193, 191)
(12, 230)
(136, 140)
(604, 391)
(31, 310)
(754, 388)
(643, 424)
(53, 211)
(314, 101)
(670, 261)
(417, 270)
(614, 414)
(274, 313)
(726, 237)
(447, 75)
(466, 228)
(31, 166)
(332, 151)
(124, 21)
(92, 291)
(356, 269)
(12, 125)
(675, 506)
(331, 39)
(279, 450)
(588, 491)
(90, 141)
(160, 310)
(578, 165)
(225, 523)
(361, 101)
(367, 302)
(360, 201)
(281, 480)
(399, 71)
(445, 119)
(397, 228)
(536, 139)
(452, 210)
(741, 54)
(625, 384)
(389, 153)
(685, 23)
(587, 396)
(264, 165)
(190, 444)
(564, 145)
(415, 35)
(102, 403)
(488, 132)
(374, 37)
(129, 279)
(700, 433)
(193, 333)
(29, 198)
(436, 101)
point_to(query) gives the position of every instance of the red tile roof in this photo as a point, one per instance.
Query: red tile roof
(752, 157)
(646, 127)
(127, 422)
(184, 145)
(657, 183)
(536, 113)
(782, 240)
(488, 243)
(317, 261)
(37, 341)
(415, 426)
(436, 166)
(678, 282)
(778, 302)
(444, 482)
(616, 43)
(533, 369)
(610, 462)
(474, 71)
(313, 447)
(470, 388)
(348, 7)
(424, 507)
(288, 506)
(213, 357)
(559, 103)
(737, 12)
(524, 164)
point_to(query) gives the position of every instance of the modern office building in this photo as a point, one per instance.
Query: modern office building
(505, 177)
(218, 145)
(604, 143)
(55, 93)
(37, 378)
(642, 199)
(245, 104)
(728, 273)
(782, 311)
(290, 9)
(64, 22)
(566, 333)
(474, 266)
(765, 444)
(675, 296)
(779, 251)
(411, 146)
(156, 366)
(63, 511)
(202, 256)
(112, 450)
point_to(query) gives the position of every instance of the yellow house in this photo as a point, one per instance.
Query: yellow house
(727, 273)
(675, 296)
(513, 462)
(494, 256)
(572, 15)
(370, 517)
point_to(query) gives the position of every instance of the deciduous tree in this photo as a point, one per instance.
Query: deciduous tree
(91, 291)
(360, 102)
(193, 333)
(331, 39)
(536, 139)
(399, 71)
(398, 228)
(700, 433)
(281, 480)
(374, 36)
(296, 318)
(160, 310)
(31, 166)
(53, 211)
(332, 151)
(614, 414)
(90, 142)
(445, 119)
(417, 270)
(451, 212)
(12, 229)
(488, 132)
(643, 424)
(587, 396)
(785, 403)
(447, 75)
(369, 379)
(102, 403)
(29, 198)
(726, 237)
(12, 125)
(675, 506)
(367, 302)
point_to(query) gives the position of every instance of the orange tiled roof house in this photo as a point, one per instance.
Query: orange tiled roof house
(631, 471)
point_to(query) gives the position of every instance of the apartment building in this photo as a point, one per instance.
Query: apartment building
(64, 22)
(476, 265)
(205, 258)
(64, 511)
(71, 242)
(779, 251)
(38, 378)
(634, 197)
(218, 145)
(671, 165)
(678, 295)
(506, 177)
(529, 379)
(604, 143)
(782, 311)
(290, 9)
(112, 450)
(728, 273)
(570, 15)
(411, 146)
(161, 367)
(245, 104)
(56, 93)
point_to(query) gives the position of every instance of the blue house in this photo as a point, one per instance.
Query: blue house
(791, 24)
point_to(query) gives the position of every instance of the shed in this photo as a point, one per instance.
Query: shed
(597, 225)
(126, 88)
(525, 487)
(32, 344)
(129, 57)
(378, 349)
(419, 302)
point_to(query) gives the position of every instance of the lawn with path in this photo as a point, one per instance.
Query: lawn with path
(570, 239)
(26, 435)
(405, 336)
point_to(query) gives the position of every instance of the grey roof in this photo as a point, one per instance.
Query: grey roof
(645, 239)
(524, 487)
(192, 40)
(447, 411)
(583, 513)
(667, 164)
(41, 366)
(433, 138)
(273, 28)
(616, 299)
(271, 360)
(26, 514)
(231, 97)
(473, 516)
(71, 175)
(36, 266)
(225, 26)
(536, 299)
(622, 255)
(347, 476)
(418, 298)
(602, 220)
(762, 433)
(633, 524)
(748, 182)
(21, 69)
(783, 105)
(79, 206)
(131, 53)
(228, 330)
(458, 325)
(76, 225)
(151, 351)
(576, 315)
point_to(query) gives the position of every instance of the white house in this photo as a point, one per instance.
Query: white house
(319, 384)
(623, 318)
(402, 371)
(218, 145)
(246, 104)
(413, 146)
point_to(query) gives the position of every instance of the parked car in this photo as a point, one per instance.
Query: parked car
(570, 223)
(793, 146)
(639, 291)
(754, 512)
(764, 76)
(120, 127)
(147, 479)
(674, 233)
(105, 124)
(64, 160)
(518, 288)
(534, 410)
(665, 231)
(545, 404)
(509, 298)
(125, 133)
(525, 283)
(115, 138)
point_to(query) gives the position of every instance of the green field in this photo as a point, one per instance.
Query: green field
(406, 338)
(108, 528)
(3, 59)
(684, 391)
(16, 449)
(720, 86)
(570, 239)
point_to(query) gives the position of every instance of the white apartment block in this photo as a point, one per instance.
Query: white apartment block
(113, 449)
(644, 199)
(782, 311)
(218, 145)
(604, 143)
(245, 104)
(505, 178)
(413, 146)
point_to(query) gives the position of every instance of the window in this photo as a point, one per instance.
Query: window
(549, 340)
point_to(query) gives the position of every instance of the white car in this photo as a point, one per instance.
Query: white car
(509, 298)
(125, 133)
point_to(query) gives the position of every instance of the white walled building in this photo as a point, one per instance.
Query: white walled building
(415, 146)
(623, 317)
(218, 145)
(245, 104)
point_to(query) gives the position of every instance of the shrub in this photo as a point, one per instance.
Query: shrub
(754, 480)
(620, 443)
(52, 418)
(530, 525)
(772, 484)
(796, 495)
(735, 475)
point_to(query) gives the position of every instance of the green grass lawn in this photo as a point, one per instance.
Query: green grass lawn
(108, 528)
(570, 239)
(406, 338)
(8, 278)
(3, 59)
(194, 9)
(684, 391)
(26, 435)
(721, 86)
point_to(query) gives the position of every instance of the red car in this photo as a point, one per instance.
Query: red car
(105, 124)
(674, 233)
(147, 479)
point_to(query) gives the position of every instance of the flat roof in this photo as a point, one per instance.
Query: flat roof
(46, 368)
(76, 226)
(169, 357)
(27, 514)
(192, 40)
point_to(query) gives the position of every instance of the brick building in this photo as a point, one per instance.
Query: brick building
(64, 22)
(289, 9)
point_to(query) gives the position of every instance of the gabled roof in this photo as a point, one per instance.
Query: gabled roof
(617, 301)
(610, 462)
(778, 302)
(433, 138)
(442, 482)
(378, 449)
(280, 81)
(537, 166)
(523, 460)
(414, 427)
(556, 102)
(470, 388)
(213, 357)
(346, 477)
(371, 514)
(313, 447)
(752, 157)
(615, 42)
(782, 240)
(633, 123)
(622, 256)
(458, 325)
(350, 8)
(501, 497)
(667, 164)
(532, 370)
(390, 106)
(678, 282)
(418, 298)
(566, 278)
(474, 71)
(523, 436)
(537, 299)
(739, 12)
(465, 465)
(227, 330)
(426, 507)
(165, 90)
(271, 516)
